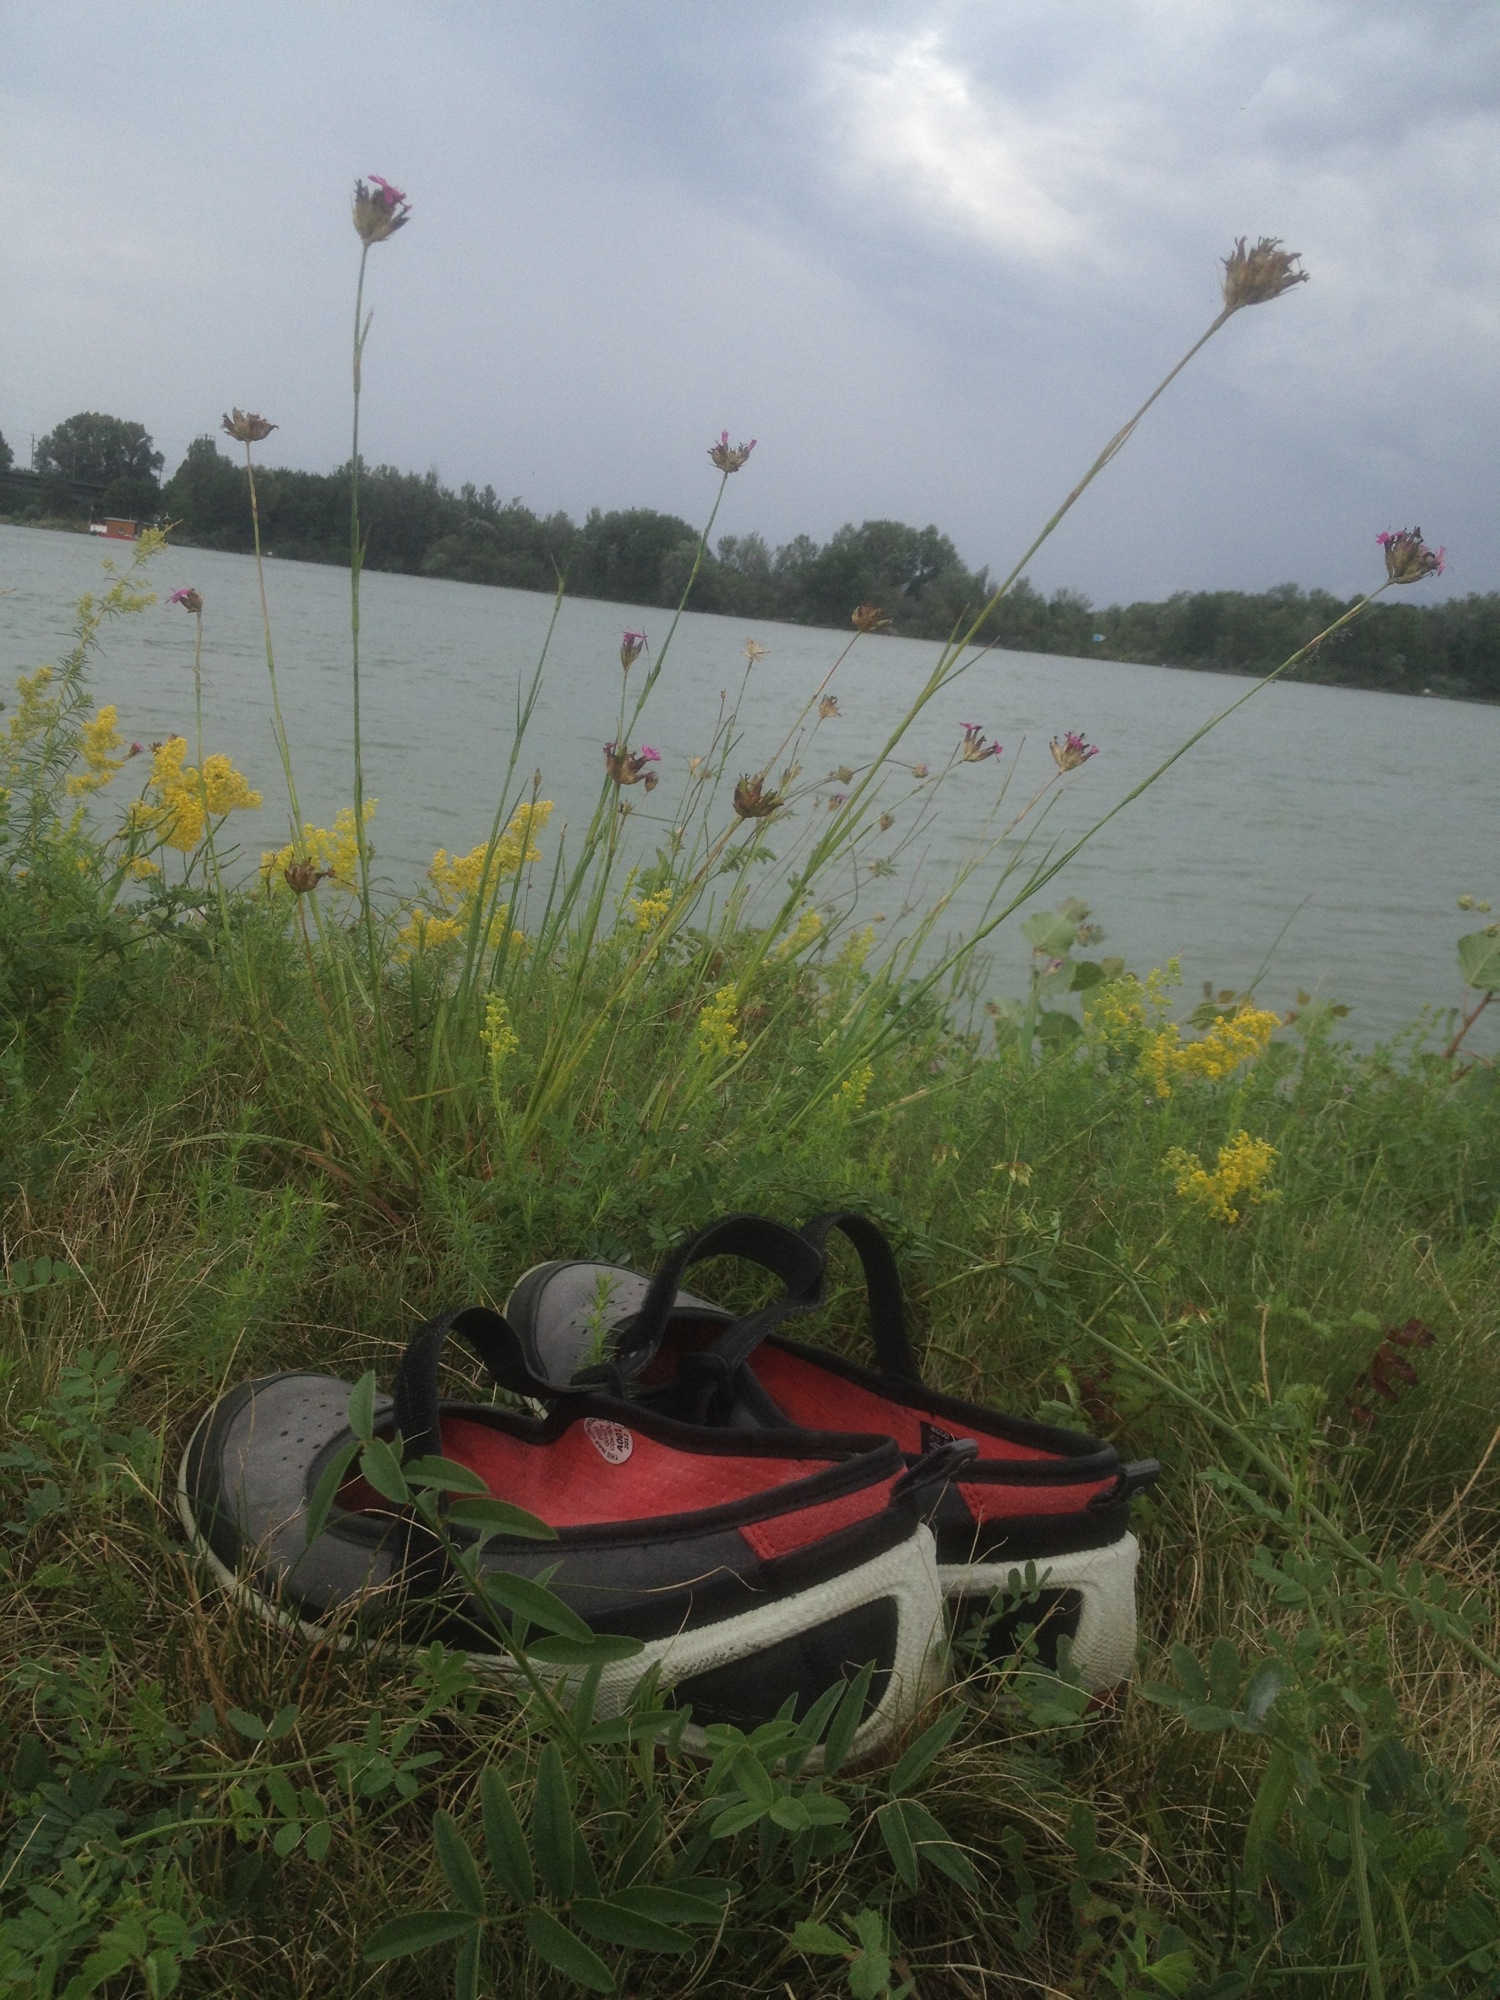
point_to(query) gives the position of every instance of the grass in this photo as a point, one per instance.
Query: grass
(259, 1127)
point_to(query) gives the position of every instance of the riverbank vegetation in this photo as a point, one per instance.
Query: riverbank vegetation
(254, 1127)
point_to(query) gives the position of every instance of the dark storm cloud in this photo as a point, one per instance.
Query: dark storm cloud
(932, 256)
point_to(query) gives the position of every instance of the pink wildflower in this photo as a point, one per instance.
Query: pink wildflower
(188, 599)
(1072, 751)
(974, 749)
(379, 211)
(730, 458)
(1407, 559)
(631, 644)
(627, 767)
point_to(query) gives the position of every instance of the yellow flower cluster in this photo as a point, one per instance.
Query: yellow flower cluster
(646, 912)
(498, 1036)
(808, 926)
(333, 850)
(185, 799)
(1231, 1040)
(856, 949)
(855, 1087)
(100, 739)
(1119, 1014)
(718, 1025)
(457, 880)
(1239, 1174)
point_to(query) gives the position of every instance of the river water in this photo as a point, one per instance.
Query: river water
(1315, 840)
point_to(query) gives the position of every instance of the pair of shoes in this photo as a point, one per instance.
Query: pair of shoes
(1034, 1504)
(761, 1520)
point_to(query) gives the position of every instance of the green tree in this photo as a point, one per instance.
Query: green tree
(7, 456)
(99, 450)
(206, 496)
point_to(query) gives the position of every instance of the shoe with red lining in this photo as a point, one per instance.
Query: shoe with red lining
(749, 1568)
(1040, 1513)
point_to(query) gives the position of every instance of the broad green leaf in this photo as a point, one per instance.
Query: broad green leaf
(457, 1863)
(898, 1841)
(419, 1932)
(325, 1492)
(552, 1824)
(1056, 1028)
(567, 1953)
(504, 1840)
(444, 1474)
(245, 1724)
(849, 1715)
(1266, 1684)
(672, 1906)
(1479, 959)
(753, 1779)
(1224, 1671)
(1189, 1673)
(380, 1468)
(613, 1921)
(1050, 932)
(1271, 1800)
(599, 1649)
(818, 1940)
(466, 1967)
(534, 1603)
(1087, 972)
(362, 1407)
(734, 1819)
(919, 1756)
(1204, 1715)
(790, 1813)
(499, 1517)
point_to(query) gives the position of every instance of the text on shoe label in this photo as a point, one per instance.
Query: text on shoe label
(613, 1442)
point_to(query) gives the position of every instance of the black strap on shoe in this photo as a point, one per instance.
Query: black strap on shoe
(893, 1350)
(495, 1345)
(706, 1379)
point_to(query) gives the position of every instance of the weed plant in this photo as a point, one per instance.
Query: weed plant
(251, 1127)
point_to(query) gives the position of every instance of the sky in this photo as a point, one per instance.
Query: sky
(930, 256)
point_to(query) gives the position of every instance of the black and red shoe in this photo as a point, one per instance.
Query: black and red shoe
(749, 1567)
(1040, 1514)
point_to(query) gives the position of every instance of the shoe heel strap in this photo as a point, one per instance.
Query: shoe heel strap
(494, 1343)
(893, 1349)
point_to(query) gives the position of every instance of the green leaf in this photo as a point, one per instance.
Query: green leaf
(566, 1953)
(319, 1840)
(419, 1932)
(362, 1407)
(1054, 1028)
(1189, 1673)
(381, 1468)
(552, 1824)
(898, 1841)
(246, 1725)
(1266, 1684)
(919, 1756)
(1205, 1716)
(818, 1940)
(672, 1906)
(504, 1841)
(1479, 959)
(614, 1922)
(1224, 1671)
(326, 1491)
(753, 1779)
(498, 1517)
(935, 1846)
(534, 1603)
(846, 1721)
(599, 1649)
(1087, 972)
(734, 1819)
(444, 1474)
(457, 1863)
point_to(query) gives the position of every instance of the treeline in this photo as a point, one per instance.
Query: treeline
(414, 524)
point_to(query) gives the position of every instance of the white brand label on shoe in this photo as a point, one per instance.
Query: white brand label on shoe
(613, 1442)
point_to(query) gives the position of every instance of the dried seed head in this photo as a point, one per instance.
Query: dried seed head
(1253, 277)
(753, 801)
(868, 618)
(246, 426)
(302, 876)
